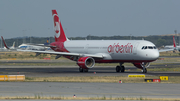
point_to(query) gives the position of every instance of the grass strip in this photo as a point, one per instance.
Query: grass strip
(85, 98)
(102, 79)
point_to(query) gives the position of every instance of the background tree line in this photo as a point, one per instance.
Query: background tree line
(157, 40)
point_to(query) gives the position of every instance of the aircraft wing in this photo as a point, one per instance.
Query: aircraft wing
(63, 53)
(165, 50)
(56, 53)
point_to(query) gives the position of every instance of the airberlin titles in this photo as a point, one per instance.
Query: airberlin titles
(120, 48)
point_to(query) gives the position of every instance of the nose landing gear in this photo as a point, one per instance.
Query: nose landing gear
(144, 70)
(144, 66)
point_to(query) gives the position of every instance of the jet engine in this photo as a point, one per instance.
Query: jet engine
(86, 62)
(140, 65)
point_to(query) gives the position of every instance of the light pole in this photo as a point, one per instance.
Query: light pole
(24, 39)
(1, 39)
(30, 30)
(175, 31)
(48, 34)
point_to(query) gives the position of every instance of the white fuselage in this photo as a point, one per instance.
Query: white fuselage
(116, 50)
(30, 47)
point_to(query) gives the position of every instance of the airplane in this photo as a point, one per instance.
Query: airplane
(88, 52)
(30, 46)
(172, 46)
(11, 47)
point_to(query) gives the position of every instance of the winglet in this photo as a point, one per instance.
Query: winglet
(4, 43)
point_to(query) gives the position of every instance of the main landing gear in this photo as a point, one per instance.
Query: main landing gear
(120, 68)
(82, 70)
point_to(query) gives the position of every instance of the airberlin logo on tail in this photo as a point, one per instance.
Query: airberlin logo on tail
(120, 48)
(56, 25)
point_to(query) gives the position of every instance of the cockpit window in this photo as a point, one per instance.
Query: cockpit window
(149, 47)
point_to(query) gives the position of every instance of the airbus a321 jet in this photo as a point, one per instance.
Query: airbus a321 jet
(88, 52)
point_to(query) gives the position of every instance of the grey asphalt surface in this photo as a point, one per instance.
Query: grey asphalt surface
(56, 71)
(48, 71)
(154, 90)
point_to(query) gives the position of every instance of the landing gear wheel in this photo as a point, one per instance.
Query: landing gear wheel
(118, 68)
(122, 68)
(85, 70)
(80, 69)
(145, 70)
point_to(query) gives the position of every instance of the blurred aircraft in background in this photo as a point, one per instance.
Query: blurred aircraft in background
(30, 46)
(172, 46)
(6, 48)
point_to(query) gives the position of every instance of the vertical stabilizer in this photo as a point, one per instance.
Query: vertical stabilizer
(13, 44)
(59, 32)
(4, 43)
(174, 42)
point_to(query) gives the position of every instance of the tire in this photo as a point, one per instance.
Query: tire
(80, 69)
(122, 68)
(145, 70)
(118, 68)
(85, 70)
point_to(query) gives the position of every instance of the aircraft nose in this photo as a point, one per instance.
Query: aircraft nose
(155, 55)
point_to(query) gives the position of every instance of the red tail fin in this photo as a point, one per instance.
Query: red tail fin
(4, 43)
(59, 32)
(174, 42)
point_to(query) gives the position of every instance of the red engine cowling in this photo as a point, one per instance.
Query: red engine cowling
(86, 62)
(140, 65)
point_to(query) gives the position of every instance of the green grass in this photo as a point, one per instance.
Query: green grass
(101, 79)
(38, 96)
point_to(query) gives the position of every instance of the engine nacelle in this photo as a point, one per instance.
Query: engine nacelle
(86, 62)
(140, 65)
